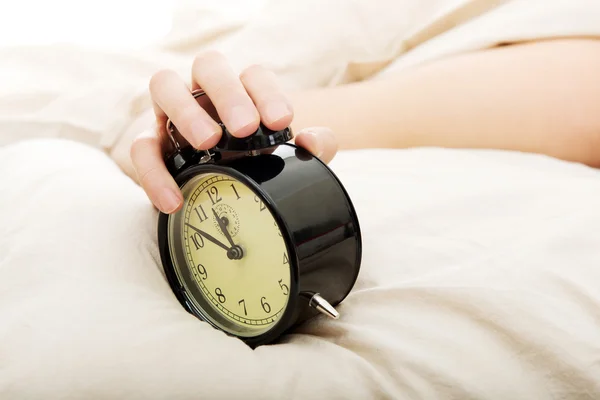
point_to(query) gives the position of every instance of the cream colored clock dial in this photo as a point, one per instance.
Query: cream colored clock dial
(236, 254)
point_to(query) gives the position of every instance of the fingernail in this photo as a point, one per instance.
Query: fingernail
(275, 111)
(316, 142)
(240, 117)
(201, 132)
(169, 201)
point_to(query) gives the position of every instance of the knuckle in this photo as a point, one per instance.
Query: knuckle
(226, 91)
(207, 57)
(185, 115)
(158, 80)
(138, 146)
(266, 97)
(146, 164)
(252, 70)
(149, 176)
(144, 143)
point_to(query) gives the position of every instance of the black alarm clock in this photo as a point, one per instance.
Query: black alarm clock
(266, 239)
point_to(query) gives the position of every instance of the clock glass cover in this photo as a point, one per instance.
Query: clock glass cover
(229, 255)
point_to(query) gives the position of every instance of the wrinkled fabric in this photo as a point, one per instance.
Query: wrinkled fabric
(480, 274)
(480, 279)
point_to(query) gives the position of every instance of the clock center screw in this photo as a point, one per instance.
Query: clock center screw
(235, 253)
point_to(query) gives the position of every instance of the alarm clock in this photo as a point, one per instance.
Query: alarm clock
(267, 237)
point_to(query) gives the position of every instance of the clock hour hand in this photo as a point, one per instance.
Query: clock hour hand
(235, 252)
(223, 228)
(209, 237)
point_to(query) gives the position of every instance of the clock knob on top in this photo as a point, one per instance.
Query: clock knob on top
(261, 139)
(185, 156)
(181, 159)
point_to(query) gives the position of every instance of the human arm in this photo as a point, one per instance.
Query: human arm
(540, 97)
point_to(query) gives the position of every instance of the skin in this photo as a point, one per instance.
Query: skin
(242, 102)
(538, 97)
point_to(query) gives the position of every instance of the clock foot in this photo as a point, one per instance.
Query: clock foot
(323, 306)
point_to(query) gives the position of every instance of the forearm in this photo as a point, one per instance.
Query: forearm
(541, 97)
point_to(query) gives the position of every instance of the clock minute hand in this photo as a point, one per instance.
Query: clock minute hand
(209, 237)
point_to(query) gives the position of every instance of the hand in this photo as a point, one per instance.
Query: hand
(241, 102)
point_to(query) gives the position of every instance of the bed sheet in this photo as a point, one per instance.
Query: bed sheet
(480, 279)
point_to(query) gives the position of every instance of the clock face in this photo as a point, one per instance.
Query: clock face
(229, 255)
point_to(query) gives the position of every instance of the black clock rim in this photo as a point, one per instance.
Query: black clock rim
(288, 316)
(355, 220)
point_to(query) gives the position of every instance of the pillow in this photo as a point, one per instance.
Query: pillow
(480, 279)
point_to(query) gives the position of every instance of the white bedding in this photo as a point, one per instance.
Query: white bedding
(480, 275)
(480, 280)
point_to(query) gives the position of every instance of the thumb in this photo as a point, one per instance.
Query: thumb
(320, 141)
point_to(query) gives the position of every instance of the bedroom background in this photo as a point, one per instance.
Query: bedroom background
(112, 24)
(491, 290)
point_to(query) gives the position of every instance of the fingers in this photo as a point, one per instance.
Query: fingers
(152, 174)
(146, 156)
(242, 101)
(274, 108)
(214, 75)
(319, 141)
(173, 98)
